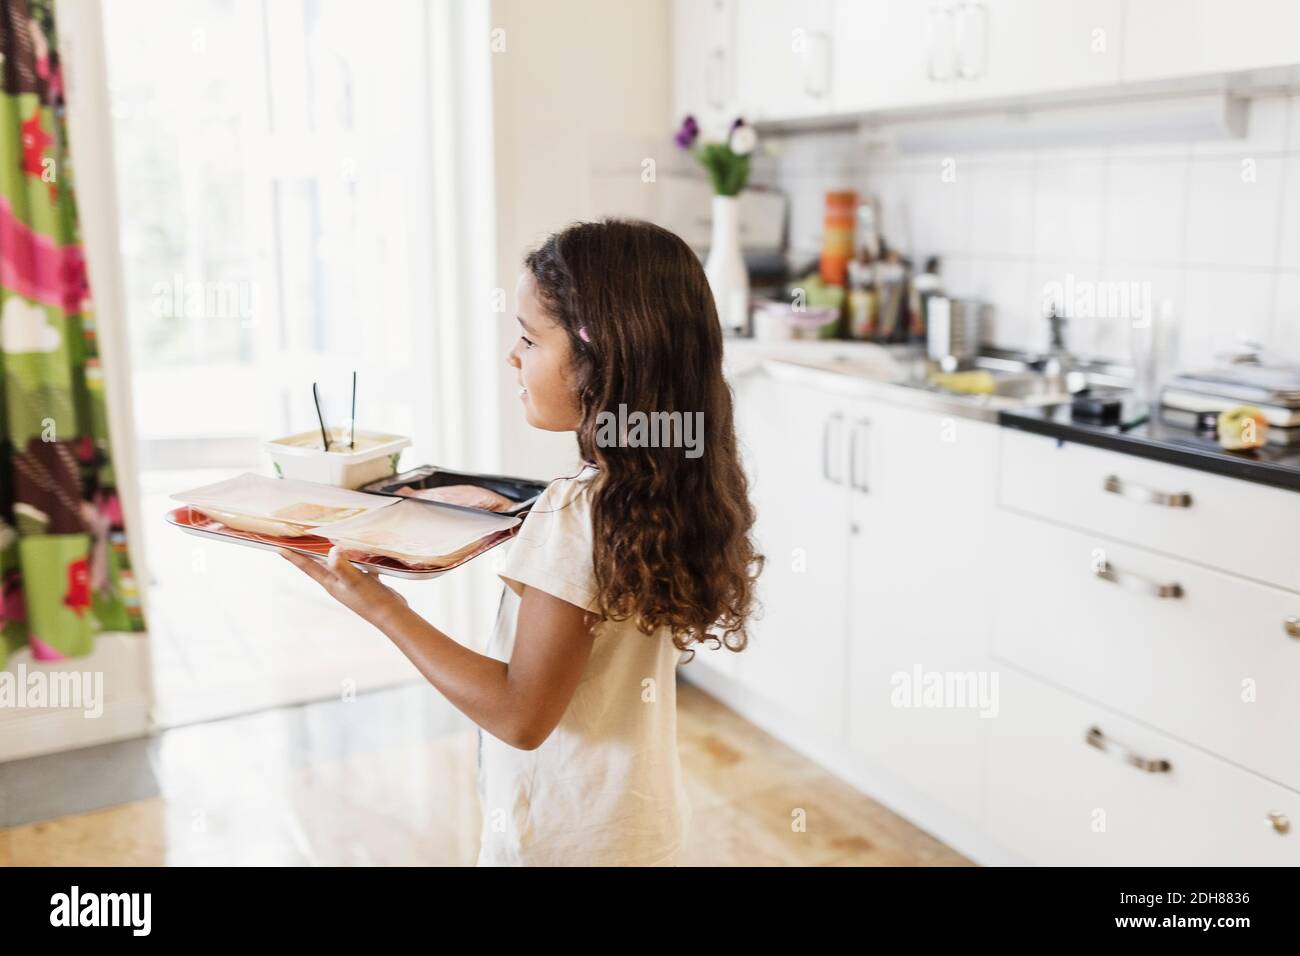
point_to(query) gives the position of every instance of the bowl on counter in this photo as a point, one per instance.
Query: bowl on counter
(781, 321)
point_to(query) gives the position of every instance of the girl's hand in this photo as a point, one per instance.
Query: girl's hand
(359, 590)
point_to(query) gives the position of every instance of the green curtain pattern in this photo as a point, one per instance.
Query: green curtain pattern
(64, 571)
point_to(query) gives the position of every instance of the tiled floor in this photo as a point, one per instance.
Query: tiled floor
(389, 778)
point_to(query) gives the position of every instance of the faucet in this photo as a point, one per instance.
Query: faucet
(1056, 365)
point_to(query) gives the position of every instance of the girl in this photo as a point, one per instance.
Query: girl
(614, 573)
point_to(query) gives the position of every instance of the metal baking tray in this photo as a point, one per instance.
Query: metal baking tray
(522, 491)
(195, 522)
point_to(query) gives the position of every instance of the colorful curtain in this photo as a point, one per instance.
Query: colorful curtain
(64, 571)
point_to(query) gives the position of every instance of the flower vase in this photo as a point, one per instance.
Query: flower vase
(725, 267)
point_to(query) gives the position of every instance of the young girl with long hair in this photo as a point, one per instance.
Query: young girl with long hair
(616, 571)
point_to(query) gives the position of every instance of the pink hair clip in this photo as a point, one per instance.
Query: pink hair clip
(582, 334)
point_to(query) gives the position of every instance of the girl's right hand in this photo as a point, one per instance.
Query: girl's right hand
(360, 591)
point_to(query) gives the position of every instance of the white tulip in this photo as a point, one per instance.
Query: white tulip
(743, 140)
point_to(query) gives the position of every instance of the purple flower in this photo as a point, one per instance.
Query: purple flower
(737, 124)
(687, 134)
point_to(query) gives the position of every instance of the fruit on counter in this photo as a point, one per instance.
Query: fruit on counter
(467, 496)
(1242, 427)
(973, 382)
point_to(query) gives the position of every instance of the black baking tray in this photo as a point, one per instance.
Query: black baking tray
(522, 491)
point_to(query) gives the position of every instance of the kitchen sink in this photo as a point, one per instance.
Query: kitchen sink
(1014, 379)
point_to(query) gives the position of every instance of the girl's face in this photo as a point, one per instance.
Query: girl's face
(542, 357)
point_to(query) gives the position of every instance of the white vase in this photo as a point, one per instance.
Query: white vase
(725, 267)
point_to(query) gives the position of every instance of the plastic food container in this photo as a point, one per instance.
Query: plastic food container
(302, 457)
(288, 508)
(419, 534)
(521, 491)
(779, 321)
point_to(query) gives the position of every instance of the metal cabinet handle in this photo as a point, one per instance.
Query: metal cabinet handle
(1280, 821)
(1095, 738)
(1178, 499)
(966, 12)
(1292, 626)
(859, 426)
(1136, 582)
(821, 63)
(938, 11)
(717, 78)
(833, 419)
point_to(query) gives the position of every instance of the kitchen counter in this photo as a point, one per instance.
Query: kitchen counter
(890, 373)
(1271, 465)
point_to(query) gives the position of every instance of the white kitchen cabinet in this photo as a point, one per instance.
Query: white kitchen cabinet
(1165, 39)
(1202, 655)
(890, 54)
(922, 493)
(1007, 48)
(704, 68)
(792, 440)
(784, 58)
(1242, 528)
(1072, 783)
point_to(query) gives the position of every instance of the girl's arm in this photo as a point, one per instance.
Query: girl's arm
(519, 702)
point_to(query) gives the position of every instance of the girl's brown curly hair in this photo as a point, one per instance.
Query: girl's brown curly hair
(671, 533)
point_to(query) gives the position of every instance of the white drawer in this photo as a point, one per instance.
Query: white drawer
(1245, 528)
(1183, 664)
(1059, 800)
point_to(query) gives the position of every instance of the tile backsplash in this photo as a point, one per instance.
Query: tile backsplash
(1212, 227)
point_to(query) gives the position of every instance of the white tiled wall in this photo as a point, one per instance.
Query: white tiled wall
(1214, 227)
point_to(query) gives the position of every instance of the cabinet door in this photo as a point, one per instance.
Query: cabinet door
(1018, 47)
(892, 53)
(921, 690)
(783, 58)
(704, 69)
(793, 442)
(1071, 783)
(1171, 38)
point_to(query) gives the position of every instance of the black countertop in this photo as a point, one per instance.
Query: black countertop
(1270, 465)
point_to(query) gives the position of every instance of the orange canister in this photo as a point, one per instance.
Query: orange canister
(837, 236)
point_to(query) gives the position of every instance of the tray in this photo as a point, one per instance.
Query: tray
(522, 491)
(194, 522)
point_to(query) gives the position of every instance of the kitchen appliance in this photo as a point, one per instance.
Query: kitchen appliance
(954, 330)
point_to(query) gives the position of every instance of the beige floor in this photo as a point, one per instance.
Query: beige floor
(417, 805)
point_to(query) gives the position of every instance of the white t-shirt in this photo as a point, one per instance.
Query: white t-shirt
(605, 788)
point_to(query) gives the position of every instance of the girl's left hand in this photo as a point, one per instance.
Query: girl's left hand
(359, 590)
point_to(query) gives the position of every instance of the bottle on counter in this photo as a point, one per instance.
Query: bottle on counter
(837, 236)
(922, 287)
(863, 300)
(862, 303)
(891, 277)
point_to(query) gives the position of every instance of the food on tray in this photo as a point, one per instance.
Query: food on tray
(414, 562)
(467, 496)
(279, 506)
(281, 529)
(315, 513)
(415, 534)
